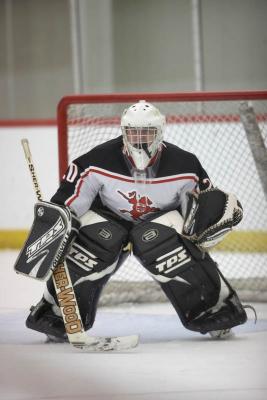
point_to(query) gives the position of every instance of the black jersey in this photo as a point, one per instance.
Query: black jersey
(103, 173)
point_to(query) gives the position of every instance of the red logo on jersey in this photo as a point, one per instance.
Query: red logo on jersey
(140, 205)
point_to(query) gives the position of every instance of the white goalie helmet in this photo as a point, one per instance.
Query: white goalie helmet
(142, 130)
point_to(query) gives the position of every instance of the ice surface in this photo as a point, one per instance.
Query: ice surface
(170, 363)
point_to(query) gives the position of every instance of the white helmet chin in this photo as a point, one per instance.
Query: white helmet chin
(142, 129)
(139, 156)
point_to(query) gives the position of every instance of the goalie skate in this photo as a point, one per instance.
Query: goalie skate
(230, 314)
(44, 320)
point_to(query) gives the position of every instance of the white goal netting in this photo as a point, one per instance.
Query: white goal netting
(231, 146)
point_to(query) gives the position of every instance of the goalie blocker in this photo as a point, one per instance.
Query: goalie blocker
(53, 229)
(200, 294)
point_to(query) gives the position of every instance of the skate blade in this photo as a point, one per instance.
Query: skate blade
(222, 334)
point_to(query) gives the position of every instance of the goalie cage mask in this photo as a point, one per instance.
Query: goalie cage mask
(142, 127)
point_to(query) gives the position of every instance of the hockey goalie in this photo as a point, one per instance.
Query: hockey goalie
(136, 193)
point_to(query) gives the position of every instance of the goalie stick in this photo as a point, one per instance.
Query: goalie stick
(67, 299)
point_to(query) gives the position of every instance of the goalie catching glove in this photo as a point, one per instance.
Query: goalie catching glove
(210, 215)
(53, 230)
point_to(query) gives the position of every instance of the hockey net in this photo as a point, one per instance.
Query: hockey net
(228, 133)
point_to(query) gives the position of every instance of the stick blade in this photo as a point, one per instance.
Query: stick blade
(93, 344)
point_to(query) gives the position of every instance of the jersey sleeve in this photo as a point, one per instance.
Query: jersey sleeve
(202, 183)
(77, 189)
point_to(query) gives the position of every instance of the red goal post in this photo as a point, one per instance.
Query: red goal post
(228, 133)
